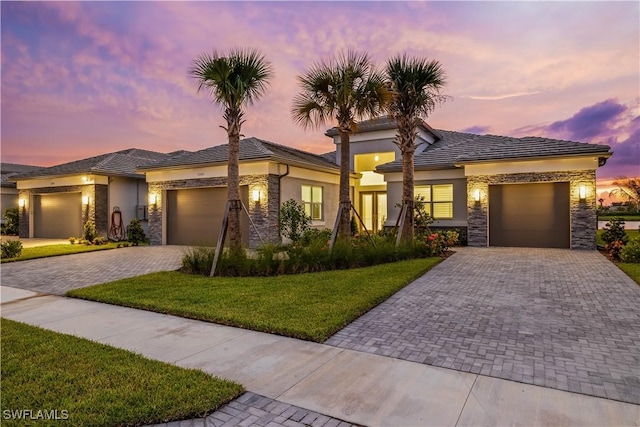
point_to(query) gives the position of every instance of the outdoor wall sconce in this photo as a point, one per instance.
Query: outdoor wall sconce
(376, 158)
(85, 200)
(21, 203)
(583, 193)
(255, 196)
(476, 195)
(153, 199)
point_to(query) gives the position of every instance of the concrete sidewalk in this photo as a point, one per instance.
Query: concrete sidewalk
(344, 384)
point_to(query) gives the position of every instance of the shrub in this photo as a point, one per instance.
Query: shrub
(72, 240)
(614, 231)
(198, 260)
(11, 226)
(234, 262)
(135, 233)
(293, 220)
(11, 248)
(631, 251)
(89, 231)
(314, 234)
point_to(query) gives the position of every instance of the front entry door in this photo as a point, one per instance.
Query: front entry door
(373, 207)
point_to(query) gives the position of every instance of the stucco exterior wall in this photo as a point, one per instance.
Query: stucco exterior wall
(292, 189)
(583, 214)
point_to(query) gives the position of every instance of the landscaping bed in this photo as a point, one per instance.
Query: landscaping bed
(309, 306)
(64, 378)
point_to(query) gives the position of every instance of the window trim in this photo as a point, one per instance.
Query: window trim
(312, 202)
(430, 202)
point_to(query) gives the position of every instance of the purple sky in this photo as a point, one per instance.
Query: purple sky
(81, 79)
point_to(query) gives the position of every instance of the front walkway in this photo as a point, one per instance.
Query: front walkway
(569, 320)
(57, 275)
(340, 384)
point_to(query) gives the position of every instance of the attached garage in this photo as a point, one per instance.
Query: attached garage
(57, 216)
(530, 215)
(194, 216)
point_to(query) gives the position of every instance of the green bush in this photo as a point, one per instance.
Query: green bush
(293, 220)
(11, 226)
(198, 260)
(614, 237)
(135, 233)
(89, 231)
(11, 248)
(631, 251)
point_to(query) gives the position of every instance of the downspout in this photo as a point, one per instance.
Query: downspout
(280, 193)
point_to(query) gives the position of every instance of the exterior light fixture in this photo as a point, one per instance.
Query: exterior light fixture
(85, 200)
(476, 195)
(21, 203)
(255, 195)
(376, 158)
(153, 199)
(583, 192)
(85, 179)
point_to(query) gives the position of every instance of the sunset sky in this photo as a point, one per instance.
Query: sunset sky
(85, 78)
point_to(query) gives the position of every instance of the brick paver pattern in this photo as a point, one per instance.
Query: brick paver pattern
(568, 320)
(57, 275)
(251, 409)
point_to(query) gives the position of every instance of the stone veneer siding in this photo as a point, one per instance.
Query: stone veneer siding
(264, 216)
(583, 215)
(97, 210)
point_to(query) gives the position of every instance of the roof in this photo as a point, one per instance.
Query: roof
(8, 170)
(250, 149)
(121, 163)
(456, 148)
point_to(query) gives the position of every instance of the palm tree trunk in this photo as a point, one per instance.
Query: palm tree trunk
(233, 185)
(407, 194)
(344, 227)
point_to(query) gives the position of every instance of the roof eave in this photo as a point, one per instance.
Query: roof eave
(526, 158)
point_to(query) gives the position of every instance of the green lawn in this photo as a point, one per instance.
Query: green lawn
(632, 270)
(629, 217)
(98, 385)
(631, 233)
(56, 250)
(309, 306)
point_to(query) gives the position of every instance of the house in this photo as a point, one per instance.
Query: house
(56, 201)
(188, 193)
(499, 191)
(9, 192)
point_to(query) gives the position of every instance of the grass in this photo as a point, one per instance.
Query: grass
(309, 306)
(57, 250)
(99, 385)
(631, 233)
(626, 217)
(632, 270)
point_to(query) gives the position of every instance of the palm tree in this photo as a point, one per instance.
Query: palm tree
(628, 189)
(233, 82)
(416, 85)
(346, 88)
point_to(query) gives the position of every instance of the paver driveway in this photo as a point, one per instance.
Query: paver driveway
(57, 275)
(563, 319)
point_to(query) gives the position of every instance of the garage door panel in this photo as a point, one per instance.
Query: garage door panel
(529, 215)
(194, 216)
(57, 216)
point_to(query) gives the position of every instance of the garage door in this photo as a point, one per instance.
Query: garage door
(194, 216)
(57, 216)
(529, 215)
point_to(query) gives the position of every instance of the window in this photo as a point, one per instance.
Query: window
(312, 201)
(438, 200)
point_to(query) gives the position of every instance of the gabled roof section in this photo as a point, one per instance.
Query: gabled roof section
(120, 163)
(382, 123)
(250, 149)
(9, 170)
(458, 148)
